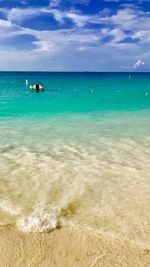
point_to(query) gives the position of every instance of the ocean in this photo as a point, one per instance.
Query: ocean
(77, 153)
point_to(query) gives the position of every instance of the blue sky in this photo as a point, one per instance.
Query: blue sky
(75, 35)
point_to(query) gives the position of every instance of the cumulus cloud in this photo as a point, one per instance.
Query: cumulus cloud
(138, 63)
(5, 23)
(122, 35)
(20, 14)
(7, 29)
(17, 15)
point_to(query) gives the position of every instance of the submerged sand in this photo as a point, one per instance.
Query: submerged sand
(68, 247)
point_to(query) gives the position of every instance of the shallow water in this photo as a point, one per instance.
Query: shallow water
(76, 155)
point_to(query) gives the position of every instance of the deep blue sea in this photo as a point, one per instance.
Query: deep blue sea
(77, 153)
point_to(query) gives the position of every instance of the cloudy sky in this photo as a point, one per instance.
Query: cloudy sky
(75, 35)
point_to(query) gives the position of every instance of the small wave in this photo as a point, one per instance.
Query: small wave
(40, 220)
(9, 208)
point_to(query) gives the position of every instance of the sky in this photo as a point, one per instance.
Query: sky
(75, 35)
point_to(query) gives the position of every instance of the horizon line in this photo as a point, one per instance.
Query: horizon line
(80, 71)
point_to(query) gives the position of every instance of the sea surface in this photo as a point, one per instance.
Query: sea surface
(77, 153)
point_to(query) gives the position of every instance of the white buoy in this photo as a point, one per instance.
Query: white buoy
(129, 76)
(27, 82)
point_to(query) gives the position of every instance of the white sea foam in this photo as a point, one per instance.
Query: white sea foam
(39, 221)
(93, 176)
(10, 208)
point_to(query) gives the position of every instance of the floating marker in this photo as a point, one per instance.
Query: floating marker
(27, 82)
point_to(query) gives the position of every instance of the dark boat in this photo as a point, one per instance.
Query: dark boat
(37, 87)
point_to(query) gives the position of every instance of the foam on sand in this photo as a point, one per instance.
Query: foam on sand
(39, 221)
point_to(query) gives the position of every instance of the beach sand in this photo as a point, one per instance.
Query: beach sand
(68, 247)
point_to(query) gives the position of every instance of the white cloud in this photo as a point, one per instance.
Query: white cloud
(20, 14)
(138, 63)
(125, 19)
(80, 43)
(5, 23)
(54, 3)
(43, 46)
(7, 29)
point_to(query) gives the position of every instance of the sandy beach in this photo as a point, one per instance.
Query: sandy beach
(67, 247)
(75, 133)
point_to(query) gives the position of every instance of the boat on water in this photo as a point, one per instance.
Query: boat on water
(37, 87)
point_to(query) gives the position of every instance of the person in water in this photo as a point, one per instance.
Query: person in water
(37, 88)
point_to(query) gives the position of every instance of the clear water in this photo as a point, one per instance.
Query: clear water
(78, 153)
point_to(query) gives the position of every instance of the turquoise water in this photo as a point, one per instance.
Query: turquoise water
(78, 153)
(73, 93)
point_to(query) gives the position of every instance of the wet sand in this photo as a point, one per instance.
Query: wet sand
(68, 247)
